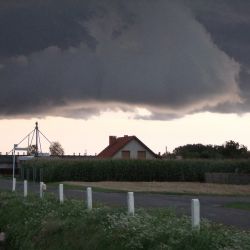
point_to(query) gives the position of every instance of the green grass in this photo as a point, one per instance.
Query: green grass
(239, 205)
(33, 223)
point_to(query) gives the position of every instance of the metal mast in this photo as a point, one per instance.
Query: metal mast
(34, 147)
(37, 134)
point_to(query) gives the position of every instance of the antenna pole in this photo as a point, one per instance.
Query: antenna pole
(37, 131)
(14, 161)
(28, 148)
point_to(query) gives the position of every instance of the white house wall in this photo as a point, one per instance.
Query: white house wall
(133, 146)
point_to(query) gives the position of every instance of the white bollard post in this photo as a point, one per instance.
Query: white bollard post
(195, 212)
(25, 188)
(14, 185)
(131, 203)
(41, 189)
(61, 193)
(89, 198)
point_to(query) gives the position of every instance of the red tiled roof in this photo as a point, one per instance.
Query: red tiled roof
(118, 144)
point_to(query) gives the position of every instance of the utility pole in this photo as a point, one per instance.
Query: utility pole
(14, 161)
(37, 134)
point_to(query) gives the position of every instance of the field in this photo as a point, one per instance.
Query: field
(168, 187)
(33, 223)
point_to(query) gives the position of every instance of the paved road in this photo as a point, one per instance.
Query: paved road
(212, 207)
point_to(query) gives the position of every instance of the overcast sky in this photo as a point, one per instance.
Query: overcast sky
(153, 60)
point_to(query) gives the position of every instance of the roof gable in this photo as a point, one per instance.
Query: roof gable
(118, 144)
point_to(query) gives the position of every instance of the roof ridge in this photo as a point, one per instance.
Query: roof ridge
(113, 148)
(118, 144)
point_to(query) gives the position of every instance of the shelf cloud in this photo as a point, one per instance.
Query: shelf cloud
(79, 58)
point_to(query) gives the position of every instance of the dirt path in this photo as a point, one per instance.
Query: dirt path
(170, 187)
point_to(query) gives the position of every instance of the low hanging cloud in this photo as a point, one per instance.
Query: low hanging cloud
(115, 55)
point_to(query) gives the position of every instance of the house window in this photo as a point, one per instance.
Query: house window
(125, 154)
(141, 155)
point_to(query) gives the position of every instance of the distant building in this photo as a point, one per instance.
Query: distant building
(127, 147)
(6, 161)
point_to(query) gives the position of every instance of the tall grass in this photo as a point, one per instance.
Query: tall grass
(129, 170)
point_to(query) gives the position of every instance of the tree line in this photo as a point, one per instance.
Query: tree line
(229, 150)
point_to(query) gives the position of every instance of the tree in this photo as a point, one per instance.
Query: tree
(229, 150)
(233, 149)
(192, 151)
(32, 150)
(56, 149)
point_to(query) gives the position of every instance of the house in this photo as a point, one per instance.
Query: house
(127, 147)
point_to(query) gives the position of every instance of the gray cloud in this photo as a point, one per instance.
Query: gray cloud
(78, 58)
(33, 25)
(228, 22)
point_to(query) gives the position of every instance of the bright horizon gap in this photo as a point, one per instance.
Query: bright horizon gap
(92, 135)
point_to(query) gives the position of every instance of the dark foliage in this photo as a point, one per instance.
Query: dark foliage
(129, 170)
(230, 150)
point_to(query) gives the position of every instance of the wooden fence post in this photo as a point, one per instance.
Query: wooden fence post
(195, 212)
(25, 188)
(14, 185)
(61, 193)
(89, 198)
(131, 203)
(41, 189)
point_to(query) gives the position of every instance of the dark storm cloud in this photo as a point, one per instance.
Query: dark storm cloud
(34, 25)
(228, 22)
(78, 58)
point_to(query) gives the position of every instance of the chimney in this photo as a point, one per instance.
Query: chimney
(112, 139)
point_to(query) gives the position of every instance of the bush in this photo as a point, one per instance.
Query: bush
(129, 170)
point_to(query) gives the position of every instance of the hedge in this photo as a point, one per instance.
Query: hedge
(53, 170)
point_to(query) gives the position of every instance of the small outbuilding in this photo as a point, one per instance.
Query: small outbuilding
(127, 147)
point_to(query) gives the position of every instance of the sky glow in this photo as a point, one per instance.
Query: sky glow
(91, 136)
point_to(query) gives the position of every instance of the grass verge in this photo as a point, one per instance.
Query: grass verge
(239, 205)
(33, 223)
